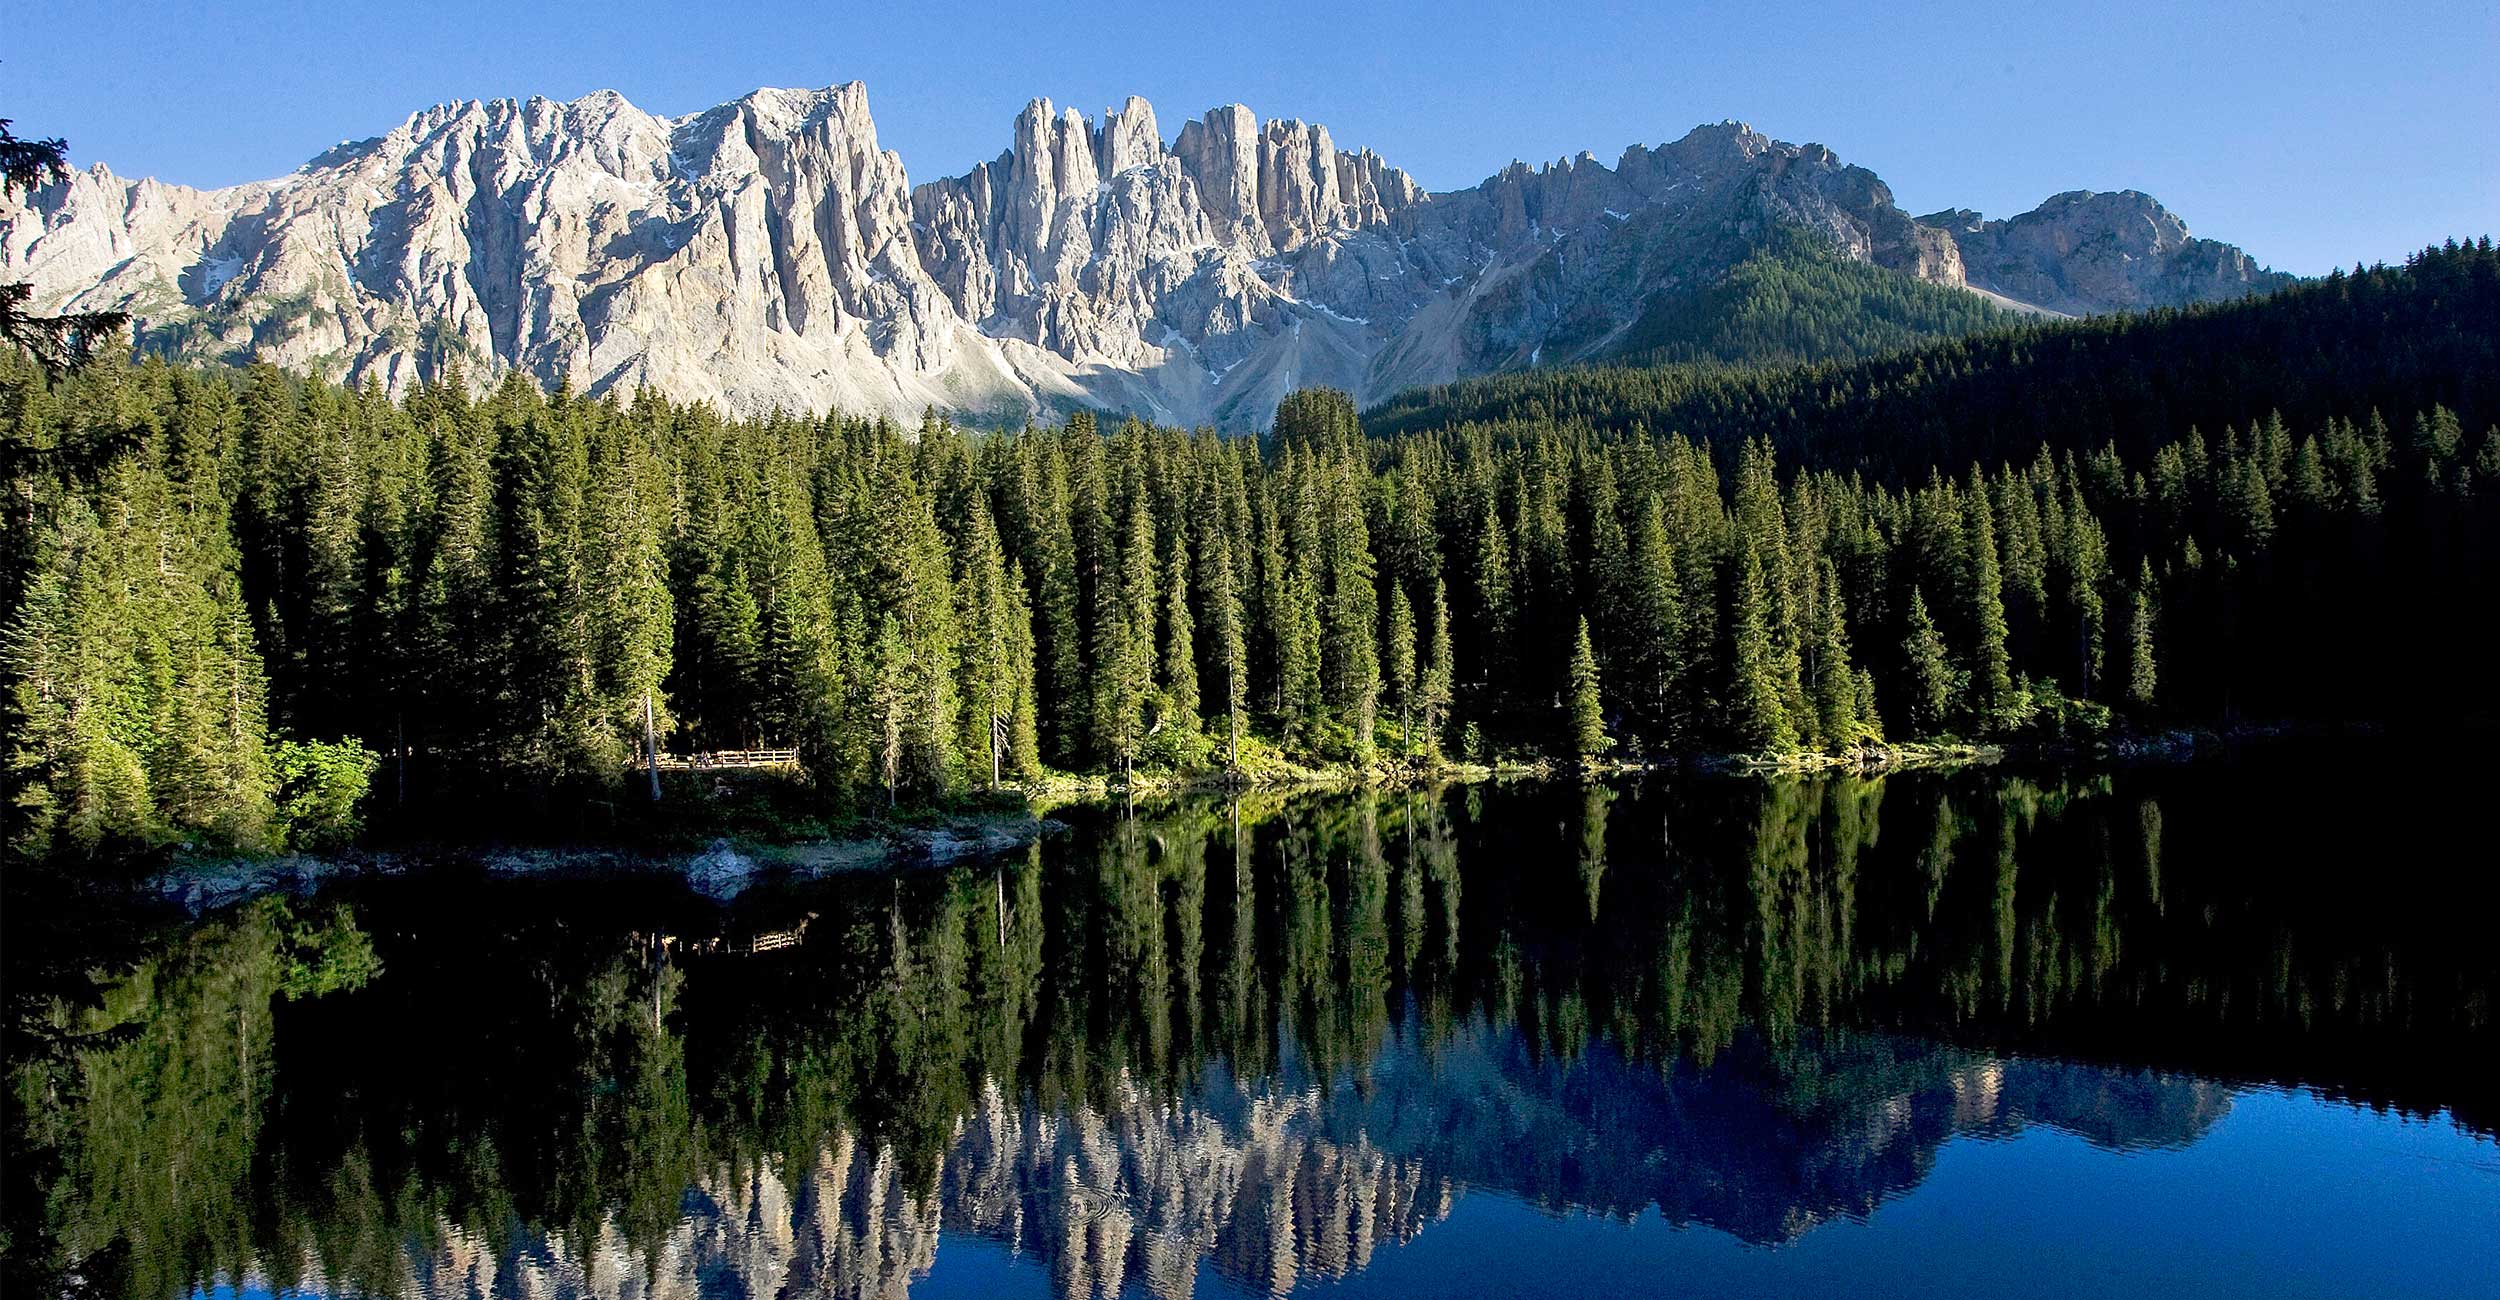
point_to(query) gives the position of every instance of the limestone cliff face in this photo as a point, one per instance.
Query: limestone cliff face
(2082, 252)
(768, 254)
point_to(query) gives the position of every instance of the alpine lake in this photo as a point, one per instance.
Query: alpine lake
(2223, 1027)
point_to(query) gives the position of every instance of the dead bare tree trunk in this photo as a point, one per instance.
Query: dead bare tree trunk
(651, 746)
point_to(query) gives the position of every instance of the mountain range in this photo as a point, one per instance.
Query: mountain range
(768, 254)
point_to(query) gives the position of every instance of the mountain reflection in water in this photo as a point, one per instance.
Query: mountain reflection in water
(1257, 1041)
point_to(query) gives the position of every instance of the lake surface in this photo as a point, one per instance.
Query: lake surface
(2216, 1029)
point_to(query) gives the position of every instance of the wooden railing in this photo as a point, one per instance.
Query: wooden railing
(777, 940)
(728, 759)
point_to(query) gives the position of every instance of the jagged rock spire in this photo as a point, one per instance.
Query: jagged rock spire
(768, 253)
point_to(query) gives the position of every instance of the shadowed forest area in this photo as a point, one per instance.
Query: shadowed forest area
(255, 609)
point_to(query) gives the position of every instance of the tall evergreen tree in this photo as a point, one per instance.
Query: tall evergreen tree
(1124, 642)
(1931, 684)
(1835, 681)
(1587, 722)
(1758, 718)
(1440, 673)
(1228, 647)
(1349, 651)
(1651, 618)
(1180, 650)
(2142, 676)
(1992, 672)
(1398, 660)
(988, 688)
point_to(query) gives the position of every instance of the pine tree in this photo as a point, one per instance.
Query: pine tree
(1229, 644)
(1758, 716)
(1180, 652)
(1349, 652)
(1762, 529)
(1024, 737)
(1651, 659)
(1870, 723)
(134, 691)
(987, 688)
(1124, 642)
(1835, 682)
(1992, 669)
(889, 695)
(1302, 706)
(1058, 629)
(1496, 617)
(1398, 661)
(633, 620)
(1094, 551)
(1930, 674)
(1440, 674)
(541, 654)
(2086, 554)
(1588, 737)
(2141, 672)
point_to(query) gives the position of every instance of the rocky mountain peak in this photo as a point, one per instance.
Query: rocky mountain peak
(769, 252)
(2086, 251)
(1130, 138)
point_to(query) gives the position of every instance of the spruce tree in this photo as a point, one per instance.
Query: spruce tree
(1301, 703)
(1440, 674)
(1835, 681)
(1229, 643)
(1651, 660)
(1992, 668)
(1180, 652)
(1094, 551)
(2142, 675)
(986, 669)
(1496, 618)
(1124, 642)
(1058, 629)
(1024, 737)
(1349, 652)
(1930, 673)
(2086, 554)
(1587, 734)
(1758, 717)
(1398, 662)
(633, 629)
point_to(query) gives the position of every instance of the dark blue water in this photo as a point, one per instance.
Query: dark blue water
(2220, 1029)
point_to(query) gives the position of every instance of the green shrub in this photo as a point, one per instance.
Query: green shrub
(320, 785)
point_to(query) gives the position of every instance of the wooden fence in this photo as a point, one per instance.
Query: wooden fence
(724, 760)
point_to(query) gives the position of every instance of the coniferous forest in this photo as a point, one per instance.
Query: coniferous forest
(254, 609)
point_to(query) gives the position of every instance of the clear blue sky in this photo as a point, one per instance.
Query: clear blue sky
(2313, 134)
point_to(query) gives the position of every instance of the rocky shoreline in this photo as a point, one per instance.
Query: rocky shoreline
(720, 870)
(724, 868)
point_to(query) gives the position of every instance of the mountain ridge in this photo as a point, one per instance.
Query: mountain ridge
(767, 253)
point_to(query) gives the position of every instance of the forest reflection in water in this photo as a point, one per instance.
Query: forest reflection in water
(1246, 1043)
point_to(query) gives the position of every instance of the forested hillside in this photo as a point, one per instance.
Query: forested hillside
(1795, 299)
(231, 598)
(2390, 338)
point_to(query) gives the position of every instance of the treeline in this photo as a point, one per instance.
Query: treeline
(258, 591)
(2390, 338)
